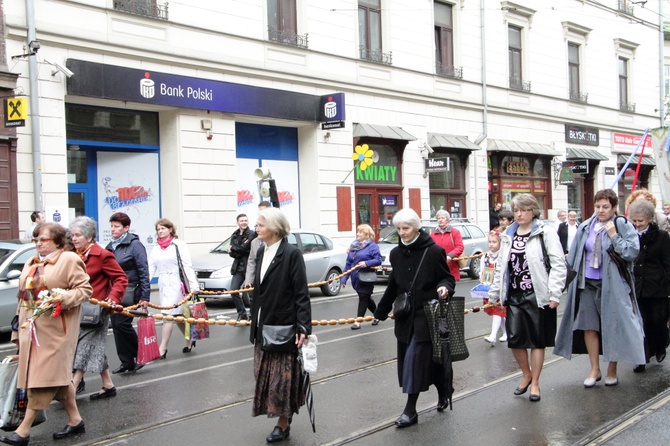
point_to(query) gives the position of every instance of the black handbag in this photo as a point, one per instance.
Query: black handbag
(129, 295)
(402, 306)
(92, 316)
(278, 338)
(571, 273)
(182, 272)
(367, 276)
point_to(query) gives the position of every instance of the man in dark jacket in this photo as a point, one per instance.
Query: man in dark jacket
(131, 254)
(240, 246)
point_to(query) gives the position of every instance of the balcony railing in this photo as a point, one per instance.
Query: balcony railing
(449, 71)
(625, 6)
(376, 56)
(576, 96)
(146, 8)
(517, 84)
(627, 107)
(287, 37)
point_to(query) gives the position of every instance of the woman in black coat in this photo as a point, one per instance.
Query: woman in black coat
(281, 297)
(416, 369)
(652, 279)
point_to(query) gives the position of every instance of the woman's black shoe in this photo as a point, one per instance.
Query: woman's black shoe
(660, 357)
(521, 390)
(278, 434)
(639, 368)
(442, 403)
(164, 355)
(406, 421)
(81, 386)
(106, 393)
(15, 439)
(69, 431)
(534, 398)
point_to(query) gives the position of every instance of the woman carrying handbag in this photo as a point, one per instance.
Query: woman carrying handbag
(364, 253)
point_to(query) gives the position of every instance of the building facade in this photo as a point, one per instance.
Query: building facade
(356, 107)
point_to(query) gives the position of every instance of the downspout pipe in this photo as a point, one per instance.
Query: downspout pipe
(661, 63)
(485, 110)
(34, 111)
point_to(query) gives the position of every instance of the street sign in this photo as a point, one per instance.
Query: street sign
(16, 111)
(332, 125)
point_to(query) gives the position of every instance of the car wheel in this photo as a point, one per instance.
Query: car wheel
(332, 288)
(475, 268)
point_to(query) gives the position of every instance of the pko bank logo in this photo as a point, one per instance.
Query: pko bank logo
(330, 108)
(147, 87)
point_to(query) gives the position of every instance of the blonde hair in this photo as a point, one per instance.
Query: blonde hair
(641, 193)
(367, 230)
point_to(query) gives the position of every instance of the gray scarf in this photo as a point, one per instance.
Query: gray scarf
(597, 256)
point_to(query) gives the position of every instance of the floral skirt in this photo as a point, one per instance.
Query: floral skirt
(278, 391)
(90, 355)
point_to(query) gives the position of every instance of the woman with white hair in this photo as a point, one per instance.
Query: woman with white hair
(281, 298)
(419, 268)
(448, 238)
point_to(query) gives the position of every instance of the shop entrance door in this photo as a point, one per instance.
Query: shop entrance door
(376, 207)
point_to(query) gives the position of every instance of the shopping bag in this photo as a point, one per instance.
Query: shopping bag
(199, 330)
(147, 342)
(13, 401)
(455, 317)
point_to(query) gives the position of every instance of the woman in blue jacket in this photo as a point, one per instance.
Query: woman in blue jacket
(363, 252)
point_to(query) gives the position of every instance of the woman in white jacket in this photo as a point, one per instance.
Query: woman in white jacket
(164, 264)
(530, 286)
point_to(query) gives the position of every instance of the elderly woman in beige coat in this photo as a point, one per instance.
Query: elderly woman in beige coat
(47, 346)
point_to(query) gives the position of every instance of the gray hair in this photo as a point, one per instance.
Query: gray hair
(86, 225)
(442, 213)
(643, 208)
(407, 216)
(526, 201)
(276, 221)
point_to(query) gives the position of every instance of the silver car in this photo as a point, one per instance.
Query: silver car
(13, 255)
(324, 260)
(474, 242)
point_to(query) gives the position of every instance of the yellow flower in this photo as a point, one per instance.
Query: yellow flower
(363, 154)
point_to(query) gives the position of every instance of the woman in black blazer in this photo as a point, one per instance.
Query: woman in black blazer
(281, 297)
(416, 369)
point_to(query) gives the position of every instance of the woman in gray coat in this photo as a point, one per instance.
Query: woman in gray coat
(601, 313)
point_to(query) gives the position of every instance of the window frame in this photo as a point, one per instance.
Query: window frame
(444, 34)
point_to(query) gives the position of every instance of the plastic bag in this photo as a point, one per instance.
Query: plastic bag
(309, 359)
(147, 341)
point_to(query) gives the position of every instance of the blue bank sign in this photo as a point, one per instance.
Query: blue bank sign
(152, 87)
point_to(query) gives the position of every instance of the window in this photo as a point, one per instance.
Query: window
(370, 32)
(574, 72)
(444, 41)
(282, 23)
(624, 100)
(515, 57)
(147, 8)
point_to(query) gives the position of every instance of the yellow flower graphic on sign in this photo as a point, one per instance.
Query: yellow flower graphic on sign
(363, 154)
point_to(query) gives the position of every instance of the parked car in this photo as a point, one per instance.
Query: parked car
(474, 242)
(324, 260)
(13, 255)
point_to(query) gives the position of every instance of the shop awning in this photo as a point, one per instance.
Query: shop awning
(502, 145)
(646, 160)
(585, 154)
(451, 141)
(381, 131)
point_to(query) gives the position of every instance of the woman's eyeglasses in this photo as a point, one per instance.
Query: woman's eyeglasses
(42, 240)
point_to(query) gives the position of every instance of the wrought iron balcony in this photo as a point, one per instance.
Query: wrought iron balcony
(625, 6)
(576, 96)
(449, 71)
(376, 56)
(627, 107)
(287, 37)
(518, 84)
(146, 8)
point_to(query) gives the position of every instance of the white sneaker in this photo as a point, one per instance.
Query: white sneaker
(503, 338)
(491, 341)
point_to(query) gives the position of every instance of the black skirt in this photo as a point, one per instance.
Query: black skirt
(529, 326)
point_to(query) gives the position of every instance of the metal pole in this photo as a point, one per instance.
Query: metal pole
(661, 62)
(34, 111)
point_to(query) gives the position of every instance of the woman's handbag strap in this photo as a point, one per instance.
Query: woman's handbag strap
(411, 287)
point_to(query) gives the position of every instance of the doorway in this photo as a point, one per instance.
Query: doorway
(376, 207)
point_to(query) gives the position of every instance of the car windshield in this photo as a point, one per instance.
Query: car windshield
(222, 248)
(4, 253)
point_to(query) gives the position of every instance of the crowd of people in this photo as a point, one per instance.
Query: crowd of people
(625, 259)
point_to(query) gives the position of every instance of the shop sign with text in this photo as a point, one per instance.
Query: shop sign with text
(626, 143)
(578, 134)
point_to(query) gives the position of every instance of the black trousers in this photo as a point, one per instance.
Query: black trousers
(235, 284)
(125, 338)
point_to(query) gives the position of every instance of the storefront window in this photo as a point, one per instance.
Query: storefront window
(452, 178)
(76, 166)
(520, 174)
(111, 125)
(383, 172)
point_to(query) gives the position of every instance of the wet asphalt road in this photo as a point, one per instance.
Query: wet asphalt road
(205, 397)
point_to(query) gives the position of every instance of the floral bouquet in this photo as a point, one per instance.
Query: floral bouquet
(48, 300)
